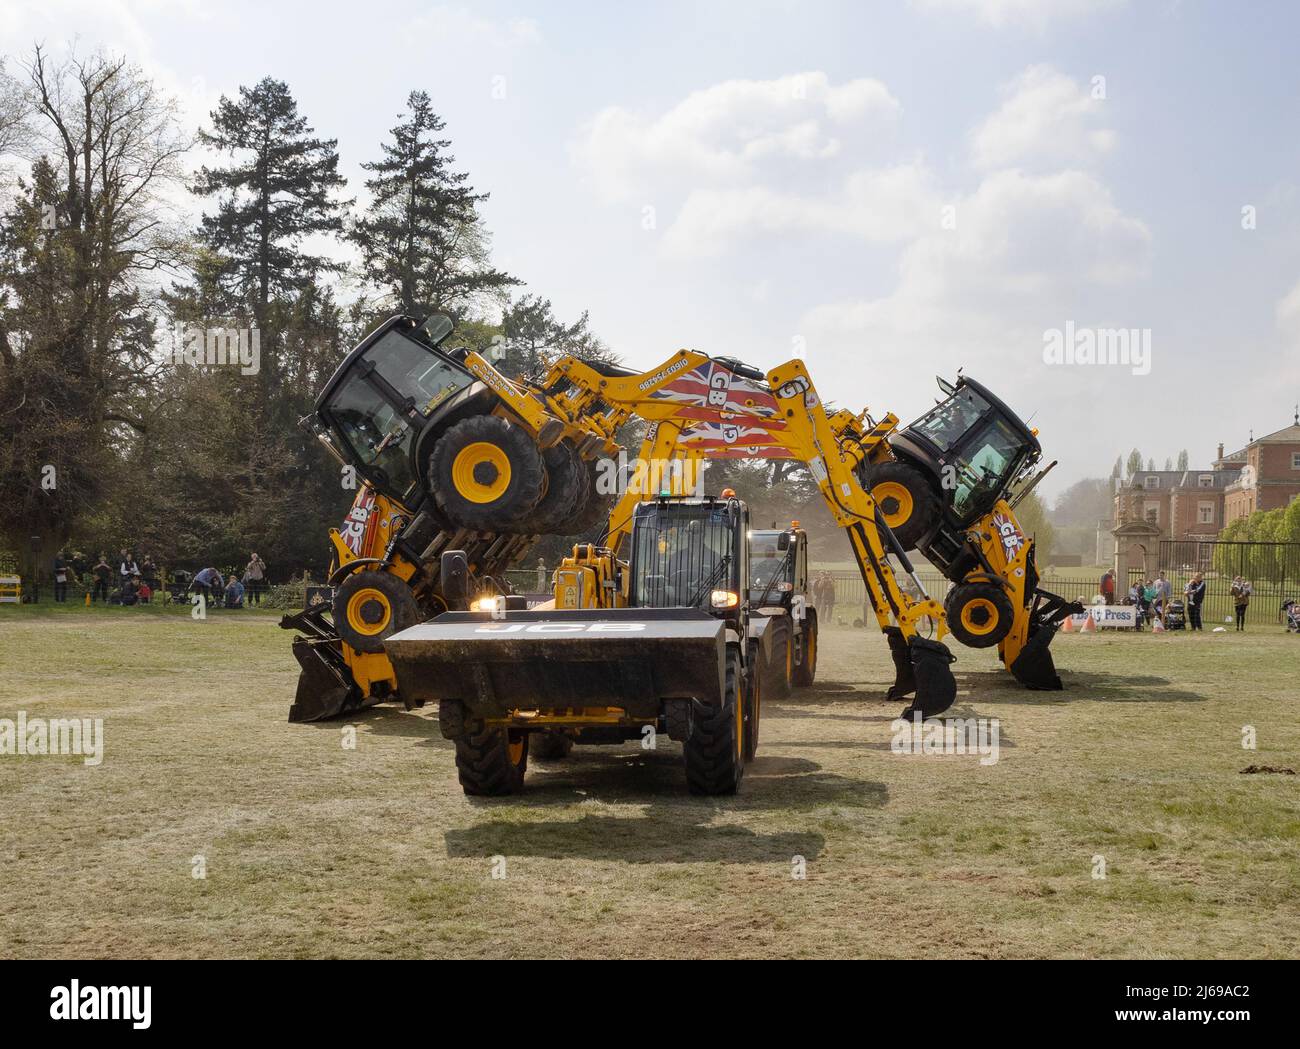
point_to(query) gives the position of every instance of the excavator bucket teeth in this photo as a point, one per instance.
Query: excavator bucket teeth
(936, 688)
(904, 677)
(1034, 667)
(323, 692)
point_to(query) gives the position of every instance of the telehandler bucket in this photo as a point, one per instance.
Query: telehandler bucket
(924, 667)
(562, 659)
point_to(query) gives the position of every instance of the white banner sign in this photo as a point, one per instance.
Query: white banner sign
(1117, 616)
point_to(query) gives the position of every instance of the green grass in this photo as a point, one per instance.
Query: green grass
(314, 849)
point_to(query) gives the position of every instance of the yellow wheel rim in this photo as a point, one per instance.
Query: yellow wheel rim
(481, 472)
(358, 602)
(740, 722)
(515, 748)
(892, 490)
(979, 616)
(789, 659)
(810, 655)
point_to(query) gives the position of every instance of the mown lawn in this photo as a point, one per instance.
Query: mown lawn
(314, 849)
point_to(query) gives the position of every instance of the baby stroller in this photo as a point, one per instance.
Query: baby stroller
(1291, 615)
(1175, 616)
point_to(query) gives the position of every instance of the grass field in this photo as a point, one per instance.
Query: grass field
(313, 849)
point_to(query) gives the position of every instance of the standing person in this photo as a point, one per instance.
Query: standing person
(128, 567)
(1108, 586)
(254, 575)
(828, 597)
(61, 572)
(103, 573)
(1194, 592)
(1165, 588)
(149, 571)
(1241, 591)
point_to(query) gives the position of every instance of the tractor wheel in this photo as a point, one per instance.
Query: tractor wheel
(595, 511)
(550, 746)
(753, 704)
(979, 614)
(567, 482)
(491, 761)
(371, 605)
(486, 474)
(907, 501)
(780, 669)
(715, 749)
(805, 667)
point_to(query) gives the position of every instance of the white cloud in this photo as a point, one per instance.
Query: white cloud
(723, 134)
(467, 28)
(1034, 13)
(878, 206)
(1045, 117)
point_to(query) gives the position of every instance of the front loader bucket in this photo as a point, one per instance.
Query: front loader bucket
(631, 658)
(936, 688)
(323, 691)
(1034, 667)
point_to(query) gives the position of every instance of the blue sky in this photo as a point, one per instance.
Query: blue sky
(799, 158)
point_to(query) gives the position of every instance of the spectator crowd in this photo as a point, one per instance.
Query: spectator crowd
(129, 580)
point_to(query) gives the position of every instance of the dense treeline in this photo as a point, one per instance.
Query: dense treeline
(110, 435)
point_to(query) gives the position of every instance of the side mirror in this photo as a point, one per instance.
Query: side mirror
(783, 541)
(454, 577)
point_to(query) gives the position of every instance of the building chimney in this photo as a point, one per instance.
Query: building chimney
(1220, 449)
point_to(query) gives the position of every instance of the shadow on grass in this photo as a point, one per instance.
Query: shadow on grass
(1080, 686)
(675, 827)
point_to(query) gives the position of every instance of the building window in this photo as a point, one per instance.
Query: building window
(1205, 513)
(1152, 512)
(1206, 480)
(1295, 460)
(1151, 482)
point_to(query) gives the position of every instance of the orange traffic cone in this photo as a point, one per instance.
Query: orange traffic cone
(1089, 625)
(1067, 625)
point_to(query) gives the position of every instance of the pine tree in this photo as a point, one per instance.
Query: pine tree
(279, 191)
(1118, 469)
(534, 338)
(1183, 460)
(422, 243)
(1134, 462)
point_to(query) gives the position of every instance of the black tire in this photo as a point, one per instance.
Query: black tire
(780, 666)
(567, 482)
(371, 605)
(595, 511)
(979, 614)
(753, 703)
(486, 475)
(549, 746)
(491, 762)
(906, 499)
(805, 665)
(714, 751)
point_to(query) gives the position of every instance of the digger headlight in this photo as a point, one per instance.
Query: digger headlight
(494, 603)
(724, 599)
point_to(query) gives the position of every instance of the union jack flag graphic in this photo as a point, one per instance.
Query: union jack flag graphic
(713, 390)
(730, 440)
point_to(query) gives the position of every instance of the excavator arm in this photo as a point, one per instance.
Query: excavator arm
(701, 408)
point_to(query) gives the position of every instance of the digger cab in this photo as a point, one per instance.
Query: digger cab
(388, 393)
(975, 442)
(778, 565)
(690, 553)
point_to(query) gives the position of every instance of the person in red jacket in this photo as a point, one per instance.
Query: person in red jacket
(1108, 587)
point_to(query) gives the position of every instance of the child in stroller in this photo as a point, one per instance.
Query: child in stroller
(1291, 615)
(1176, 616)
